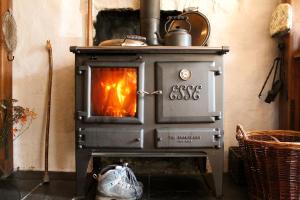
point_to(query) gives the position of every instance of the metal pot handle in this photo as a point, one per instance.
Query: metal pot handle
(135, 37)
(179, 17)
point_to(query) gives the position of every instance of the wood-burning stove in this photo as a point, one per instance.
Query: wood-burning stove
(149, 102)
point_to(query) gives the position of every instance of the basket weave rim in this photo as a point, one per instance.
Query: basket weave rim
(285, 145)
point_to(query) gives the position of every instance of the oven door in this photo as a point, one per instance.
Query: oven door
(110, 92)
(189, 91)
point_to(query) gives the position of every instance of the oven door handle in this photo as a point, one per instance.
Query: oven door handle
(156, 92)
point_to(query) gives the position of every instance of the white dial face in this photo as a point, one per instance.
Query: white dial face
(185, 74)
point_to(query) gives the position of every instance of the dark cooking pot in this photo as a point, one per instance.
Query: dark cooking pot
(176, 36)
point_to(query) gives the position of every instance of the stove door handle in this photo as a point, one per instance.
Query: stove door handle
(158, 92)
(142, 92)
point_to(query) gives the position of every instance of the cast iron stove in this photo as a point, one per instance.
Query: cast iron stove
(149, 102)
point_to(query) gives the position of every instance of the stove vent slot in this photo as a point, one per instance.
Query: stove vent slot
(127, 138)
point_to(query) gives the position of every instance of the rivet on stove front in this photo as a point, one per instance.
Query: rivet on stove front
(218, 73)
(79, 72)
(218, 117)
(79, 117)
(218, 136)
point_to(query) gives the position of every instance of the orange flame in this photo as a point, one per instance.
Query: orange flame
(114, 92)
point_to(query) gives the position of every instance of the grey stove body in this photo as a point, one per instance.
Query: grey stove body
(149, 102)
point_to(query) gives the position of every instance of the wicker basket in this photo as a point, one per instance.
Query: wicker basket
(272, 163)
(236, 168)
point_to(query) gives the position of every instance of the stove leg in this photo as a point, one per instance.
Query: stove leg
(97, 165)
(216, 159)
(82, 160)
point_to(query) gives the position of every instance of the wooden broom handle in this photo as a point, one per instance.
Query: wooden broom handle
(49, 48)
(89, 37)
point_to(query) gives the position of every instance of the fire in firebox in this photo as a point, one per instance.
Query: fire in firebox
(114, 91)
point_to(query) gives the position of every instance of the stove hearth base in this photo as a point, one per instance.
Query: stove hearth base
(83, 157)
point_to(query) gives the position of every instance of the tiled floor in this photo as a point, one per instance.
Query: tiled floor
(62, 187)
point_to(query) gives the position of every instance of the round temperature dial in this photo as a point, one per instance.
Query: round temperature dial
(185, 74)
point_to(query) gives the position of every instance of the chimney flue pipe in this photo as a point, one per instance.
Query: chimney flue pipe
(150, 19)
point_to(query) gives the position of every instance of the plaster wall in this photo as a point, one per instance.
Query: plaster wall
(240, 24)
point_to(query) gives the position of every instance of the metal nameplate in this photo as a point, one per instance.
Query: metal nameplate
(187, 138)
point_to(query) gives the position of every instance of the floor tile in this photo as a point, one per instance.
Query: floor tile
(165, 187)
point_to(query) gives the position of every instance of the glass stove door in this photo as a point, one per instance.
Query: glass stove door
(111, 93)
(114, 92)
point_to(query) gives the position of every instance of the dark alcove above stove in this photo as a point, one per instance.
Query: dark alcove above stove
(117, 23)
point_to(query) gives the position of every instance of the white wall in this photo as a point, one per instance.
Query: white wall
(240, 24)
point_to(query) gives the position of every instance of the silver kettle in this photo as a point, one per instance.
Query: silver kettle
(177, 36)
